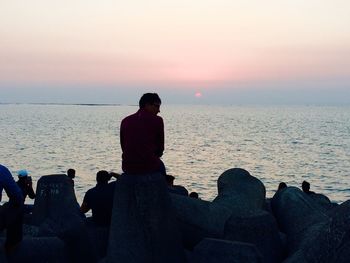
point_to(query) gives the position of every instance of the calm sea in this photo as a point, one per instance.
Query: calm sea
(274, 143)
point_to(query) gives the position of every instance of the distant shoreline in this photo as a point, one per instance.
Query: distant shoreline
(65, 104)
(136, 105)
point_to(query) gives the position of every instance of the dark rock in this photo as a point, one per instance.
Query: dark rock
(297, 216)
(219, 251)
(245, 195)
(342, 254)
(331, 243)
(240, 192)
(236, 214)
(30, 230)
(56, 213)
(99, 239)
(322, 201)
(313, 237)
(2, 251)
(178, 189)
(144, 226)
(259, 229)
(204, 214)
(297, 257)
(189, 256)
(40, 250)
(267, 206)
(55, 199)
(199, 219)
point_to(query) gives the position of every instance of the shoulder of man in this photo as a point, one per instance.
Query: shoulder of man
(159, 118)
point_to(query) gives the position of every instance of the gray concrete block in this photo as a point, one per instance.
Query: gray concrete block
(241, 192)
(144, 227)
(223, 251)
(259, 229)
(40, 250)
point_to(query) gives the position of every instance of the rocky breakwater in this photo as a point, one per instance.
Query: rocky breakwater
(151, 225)
(237, 214)
(314, 233)
(143, 226)
(56, 231)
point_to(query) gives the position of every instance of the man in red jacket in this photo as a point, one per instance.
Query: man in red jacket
(142, 137)
(143, 225)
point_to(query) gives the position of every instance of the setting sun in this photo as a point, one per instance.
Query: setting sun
(198, 94)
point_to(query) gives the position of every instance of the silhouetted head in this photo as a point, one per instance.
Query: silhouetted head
(169, 179)
(150, 102)
(103, 177)
(305, 186)
(282, 185)
(71, 173)
(193, 195)
(22, 174)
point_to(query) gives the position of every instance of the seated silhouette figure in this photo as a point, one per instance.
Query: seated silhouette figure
(100, 199)
(306, 187)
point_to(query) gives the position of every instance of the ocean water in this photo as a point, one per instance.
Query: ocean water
(274, 143)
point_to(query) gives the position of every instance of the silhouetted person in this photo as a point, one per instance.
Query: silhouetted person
(71, 173)
(142, 137)
(11, 213)
(194, 195)
(143, 214)
(306, 187)
(282, 185)
(175, 189)
(25, 184)
(100, 199)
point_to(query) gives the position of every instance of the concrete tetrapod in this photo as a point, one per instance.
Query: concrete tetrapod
(143, 226)
(56, 213)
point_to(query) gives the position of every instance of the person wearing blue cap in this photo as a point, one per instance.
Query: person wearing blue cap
(25, 184)
(11, 213)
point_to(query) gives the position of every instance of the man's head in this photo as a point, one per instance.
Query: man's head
(103, 176)
(71, 173)
(305, 186)
(22, 174)
(150, 102)
(193, 195)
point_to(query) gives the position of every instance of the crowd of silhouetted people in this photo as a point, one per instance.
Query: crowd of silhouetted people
(98, 199)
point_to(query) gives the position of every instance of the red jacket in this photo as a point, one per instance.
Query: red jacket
(142, 142)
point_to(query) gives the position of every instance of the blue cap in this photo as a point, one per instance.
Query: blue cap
(22, 173)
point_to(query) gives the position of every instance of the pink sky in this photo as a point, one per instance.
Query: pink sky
(174, 43)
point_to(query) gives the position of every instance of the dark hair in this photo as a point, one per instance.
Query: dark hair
(103, 176)
(149, 98)
(305, 186)
(193, 195)
(71, 173)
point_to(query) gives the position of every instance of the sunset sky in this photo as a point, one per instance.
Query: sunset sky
(207, 51)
